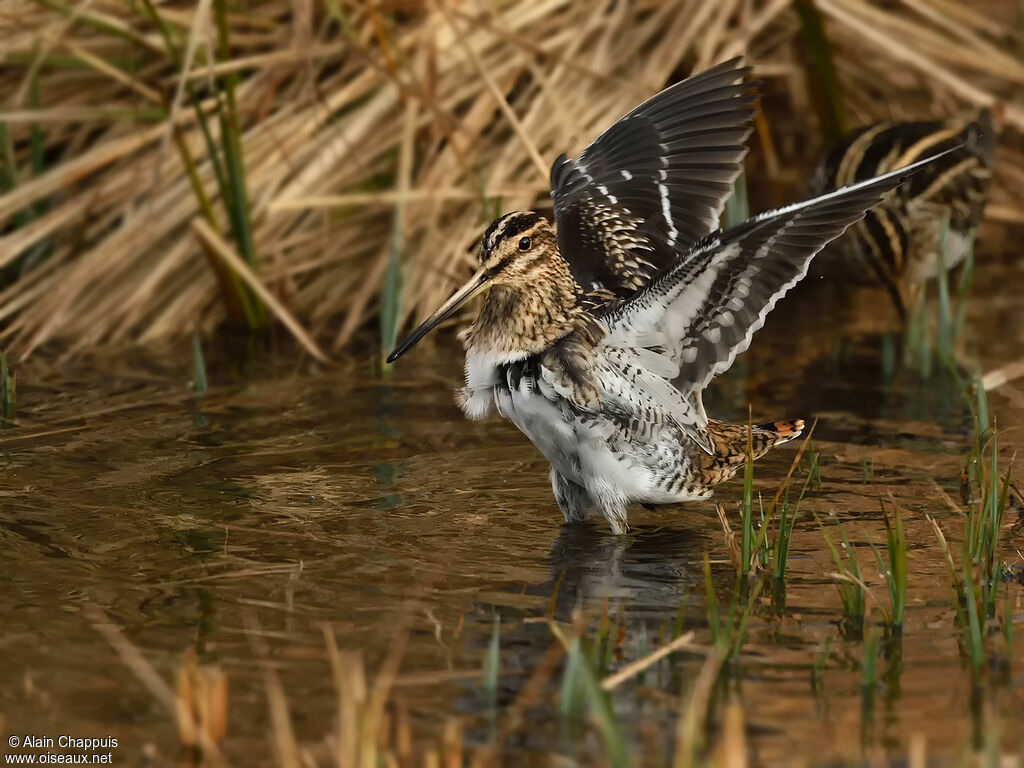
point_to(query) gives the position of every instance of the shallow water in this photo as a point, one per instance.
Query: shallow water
(283, 502)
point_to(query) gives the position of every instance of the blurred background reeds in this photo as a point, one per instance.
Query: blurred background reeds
(173, 167)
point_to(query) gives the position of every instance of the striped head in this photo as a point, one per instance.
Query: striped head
(531, 299)
(518, 246)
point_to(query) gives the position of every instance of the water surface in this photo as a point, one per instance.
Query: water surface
(287, 499)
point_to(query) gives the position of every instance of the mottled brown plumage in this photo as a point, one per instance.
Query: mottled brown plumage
(897, 244)
(730, 452)
(532, 298)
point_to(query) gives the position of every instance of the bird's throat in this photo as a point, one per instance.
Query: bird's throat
(517, 321)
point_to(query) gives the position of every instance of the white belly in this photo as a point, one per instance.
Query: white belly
(579, 449)
(544, 423)
(613, 466)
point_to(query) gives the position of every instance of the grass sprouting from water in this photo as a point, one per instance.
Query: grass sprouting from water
(756, 551)
(1008, 626)
(946, 326)
(199, 380)
(966, 274)
(391, 294)
(867, 469)
(922, 347)
(813, 465)
(848, 579)
(728, 627)
(917, 339)
(784, 535)
(985, 515)
(977, 579)
(747, 531)
(677, 627)
(581, 690)
(8, 388)
(895, 571)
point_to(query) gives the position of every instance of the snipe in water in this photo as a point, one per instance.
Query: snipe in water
(597, 336)
(897, 244)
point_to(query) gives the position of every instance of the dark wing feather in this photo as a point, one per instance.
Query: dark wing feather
(704, 311)
(655, 182)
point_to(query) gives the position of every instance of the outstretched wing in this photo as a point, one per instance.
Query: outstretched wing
(704, 311)
(655, 182)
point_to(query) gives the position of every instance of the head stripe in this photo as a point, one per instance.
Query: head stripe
(508, 226)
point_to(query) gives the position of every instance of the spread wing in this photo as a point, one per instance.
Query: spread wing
(704, 311)
(655, 182)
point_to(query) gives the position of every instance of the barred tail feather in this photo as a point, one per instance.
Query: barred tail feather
(785, 430)
(730, 442)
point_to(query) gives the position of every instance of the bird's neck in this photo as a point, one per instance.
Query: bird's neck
(517, 321)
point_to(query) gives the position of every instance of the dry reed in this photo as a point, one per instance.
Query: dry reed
(372, 141)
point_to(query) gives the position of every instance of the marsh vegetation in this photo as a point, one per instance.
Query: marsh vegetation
(286, 554)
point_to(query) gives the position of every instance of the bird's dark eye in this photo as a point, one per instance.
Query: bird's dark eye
(524, 244)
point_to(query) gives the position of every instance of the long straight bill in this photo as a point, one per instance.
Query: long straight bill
(464, 294)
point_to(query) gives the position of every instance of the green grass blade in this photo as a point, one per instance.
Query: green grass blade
(982, 421)
(896, 541)
(974, 638)
(918, 343)
(237, 199)
(826, 91)
(604, 718)
(677, 628)
(199, 380)
(580, 686)
(855, 591)
(945, 320)
(851, 594)
(242, 307)
(7, 388)
(1008, 628)
(966, 273)
(714, 622)
(740, 631)
(747, 532)
(391, 292)
(570, 698)
(610, 642)
(781, 548)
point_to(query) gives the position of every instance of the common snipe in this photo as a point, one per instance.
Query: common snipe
(897, 244)
(597, 335)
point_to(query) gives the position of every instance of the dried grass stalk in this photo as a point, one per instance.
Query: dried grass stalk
(96, 236)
